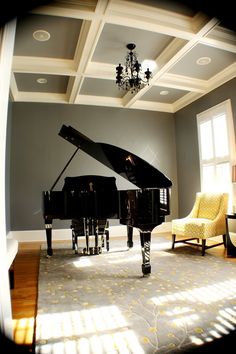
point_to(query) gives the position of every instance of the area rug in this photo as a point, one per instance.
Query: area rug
(102, 304)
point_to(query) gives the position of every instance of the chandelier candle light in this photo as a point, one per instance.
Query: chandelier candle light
(131, 79)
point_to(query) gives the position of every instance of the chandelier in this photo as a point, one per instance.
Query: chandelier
(132, 79)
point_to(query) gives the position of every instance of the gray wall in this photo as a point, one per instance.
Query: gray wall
(187, 142)
(38, 153)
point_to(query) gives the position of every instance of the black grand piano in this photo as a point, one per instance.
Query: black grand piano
(143, 208)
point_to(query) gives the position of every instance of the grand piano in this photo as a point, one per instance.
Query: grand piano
(143, 207)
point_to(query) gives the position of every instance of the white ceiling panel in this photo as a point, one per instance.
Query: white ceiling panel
(218, 61)
(100, 87)
(163, 94)
(63, 39)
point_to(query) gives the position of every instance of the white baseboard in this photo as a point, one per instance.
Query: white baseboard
(65, 234)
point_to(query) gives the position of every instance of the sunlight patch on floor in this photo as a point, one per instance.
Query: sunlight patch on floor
(83, 262)
(23, 330)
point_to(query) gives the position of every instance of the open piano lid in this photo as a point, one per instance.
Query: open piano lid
(126, 164)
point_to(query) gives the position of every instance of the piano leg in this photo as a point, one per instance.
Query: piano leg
(145, 239)
(107, 240)
(130, 236)
(48, 227)
(74, 240)
(86, 228)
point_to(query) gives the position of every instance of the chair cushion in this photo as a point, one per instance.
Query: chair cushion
(193, 227)
(209, 206)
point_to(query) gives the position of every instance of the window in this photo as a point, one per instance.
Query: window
(216, 148)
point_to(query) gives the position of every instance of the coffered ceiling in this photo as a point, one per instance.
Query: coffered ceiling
(79, 44)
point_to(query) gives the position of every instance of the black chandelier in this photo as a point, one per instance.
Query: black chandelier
(132, 79)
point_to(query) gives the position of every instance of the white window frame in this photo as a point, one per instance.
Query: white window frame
(208, 115)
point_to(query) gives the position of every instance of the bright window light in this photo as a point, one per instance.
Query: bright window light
(216, 148)
(206, 140)
(220, 136)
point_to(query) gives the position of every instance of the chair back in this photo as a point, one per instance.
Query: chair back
(209, 205)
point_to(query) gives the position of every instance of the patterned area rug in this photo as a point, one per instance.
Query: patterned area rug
(102, 304)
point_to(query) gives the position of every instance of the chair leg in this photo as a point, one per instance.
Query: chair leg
(224, 240)
(203, 247)
(173, 241)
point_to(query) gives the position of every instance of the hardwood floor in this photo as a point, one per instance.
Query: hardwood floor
(24, 294)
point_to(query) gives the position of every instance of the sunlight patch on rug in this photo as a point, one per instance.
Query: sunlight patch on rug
(96, 330)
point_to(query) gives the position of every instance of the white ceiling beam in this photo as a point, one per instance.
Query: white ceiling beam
(72, 9)
(41, 97)
(89, 38)
(153, 106)
(54, 66)
(156, 20)
(13, 88)
(99, 101)
(101, 70)
(182, 83)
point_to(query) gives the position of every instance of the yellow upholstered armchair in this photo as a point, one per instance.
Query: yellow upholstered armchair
(206, 219)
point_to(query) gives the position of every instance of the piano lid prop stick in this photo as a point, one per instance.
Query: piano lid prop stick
(64, 168)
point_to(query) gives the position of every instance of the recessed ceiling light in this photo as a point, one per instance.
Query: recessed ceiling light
(164, 92)
(42, 80)
(41, 35)
(203, 61)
